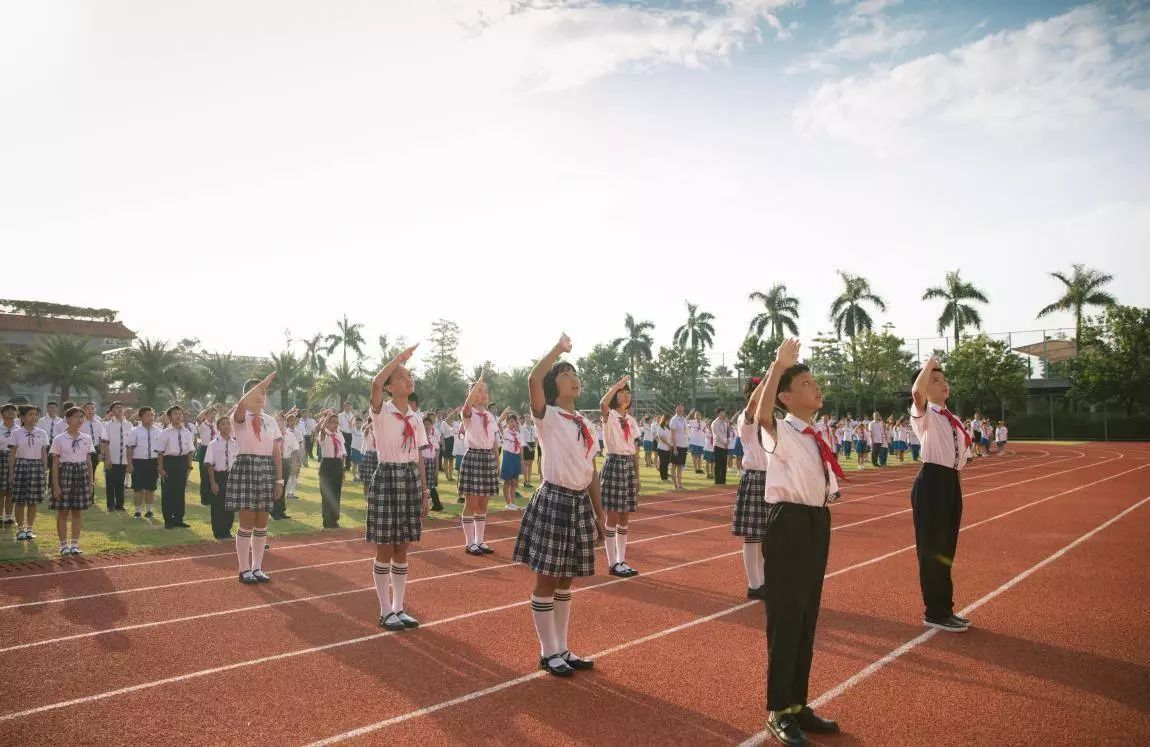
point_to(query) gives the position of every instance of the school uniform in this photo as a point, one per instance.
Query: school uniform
(877, 434)
(431, 468)
(346, 422)
(394, 515)
(145, 469)
(695, 438)
(330, 446)
(709, 447)
(528, 432)
(219, 455)
(287, 450)
(1000, 437)
(205, 434)
(27, 448)
(175, 446)
(679, 440)
(802, 477)
(357, 448)
(557, 534)
(115, 440)
(913, 442)
(479, 474)
(512, 454)
(74, 465)
(459, 447)
(936, 501)
(307, 428)
(5, 459)
(664, 445)
(618, 481)
(95, 430)
(722, 436)
(53, 426)
(252, 478)
(749, 519)
(369, 461)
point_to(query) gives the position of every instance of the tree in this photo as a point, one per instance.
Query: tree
(389, 350)
(9, 371)
(847, 312)
(603, 365)
(755, 356)
(673, 374)
(722, 372)
(148, 366)
(780, 313)
(1083, 288)
(313, 354)
(66, 363)
(828, 361)
(442, 381)
(348, 335)
(878, 371)
(510, 389)
(342, 383)
(697, 334)
(1113, 362)
(225, 375)
(985, 373)
(636, 344)
(290, 372)
(955, 313)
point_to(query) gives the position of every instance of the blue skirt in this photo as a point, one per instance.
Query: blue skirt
(512, 466)
(708, 456)
(648, 445)
(739, 447)
(696, 450)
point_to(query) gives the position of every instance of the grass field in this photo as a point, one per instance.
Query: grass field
(119, 532)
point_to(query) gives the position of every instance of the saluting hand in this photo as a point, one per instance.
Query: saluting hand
(788, 353)
(564, 344)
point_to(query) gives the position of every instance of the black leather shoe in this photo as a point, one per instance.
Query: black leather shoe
(948, 625)
(485, 549)
(786, 729)
(810, 721)
(473, 550)
(182, 525)
(557, 666)
(575, 662)
(759, 593)
(962, 620)
(618, 570)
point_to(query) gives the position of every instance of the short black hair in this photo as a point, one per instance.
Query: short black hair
(918, 372)
(50, 404)
(550, 388)
(73, 410)
(172, 409)
(25, 409)
(8, 406)
(615, 397)
(144, 410)
(115, 404)
(249, 384)
(719, 411)
(785, 382)
(93, 404)
(413, 397)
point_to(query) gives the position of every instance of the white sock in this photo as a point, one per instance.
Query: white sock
(543, 613)
(259, 539)
(612, 551)
(244, 548)
(562, 619)
(480, 526)
(621, 544)
(381, 572)
(398, 585)
(469, 529)
(753, 562)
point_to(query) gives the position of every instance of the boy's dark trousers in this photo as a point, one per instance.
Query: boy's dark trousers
(114, 485)
(936, 504)
(173, 487)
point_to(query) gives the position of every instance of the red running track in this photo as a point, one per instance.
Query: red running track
(1050, 568)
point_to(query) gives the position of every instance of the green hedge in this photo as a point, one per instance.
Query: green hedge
(1088, 426)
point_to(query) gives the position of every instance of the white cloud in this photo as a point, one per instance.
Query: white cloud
(877, 37)
(1052, 74)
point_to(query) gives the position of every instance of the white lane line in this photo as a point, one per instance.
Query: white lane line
(475, 695)
(874, 667)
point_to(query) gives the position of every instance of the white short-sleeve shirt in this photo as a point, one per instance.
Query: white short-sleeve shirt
(388, 426)
(29, 444)
(512, 440)
(173, 442)
(796, 472)
(613, 437)
(679, 436)
(754, 458)
(942, 443)
(143, 442)
(71, 449)
(246, 438)
(206, 431)
(222, 453)
(720, 432)
(481, 429)
(570, 460)
(331, 445)
(116, 436)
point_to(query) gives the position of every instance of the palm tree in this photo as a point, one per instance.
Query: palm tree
(847, 312)
(1083, 288)
(698, 334)
(66, 363)
(150, 365)
(225, 376)
(780, 312)
(349, 335)
(956, 313)
(313, 353)
(9, 371)
(289, 371)
(636, 344)
(340, 383)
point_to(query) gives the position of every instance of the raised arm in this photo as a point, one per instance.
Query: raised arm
(918, 391)
(752, 411)
(786, 356)
(385, 374)
(535, 379)
(472, 395)
(255, 399)
(605, 403)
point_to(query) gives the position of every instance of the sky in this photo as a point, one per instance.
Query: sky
(246, 172)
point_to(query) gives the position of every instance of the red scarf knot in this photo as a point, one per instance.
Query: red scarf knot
(625, 424)
(408, 432)
(584, 431)
(826, 453)
(956, 423)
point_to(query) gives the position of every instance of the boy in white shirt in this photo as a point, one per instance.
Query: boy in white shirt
(1000, 438)
(142, 464)
(218, 461)
(173, 450)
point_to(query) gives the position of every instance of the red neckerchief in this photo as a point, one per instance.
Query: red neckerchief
(514, 440)
(625, 424)
(584, 431)
(256, 425)
(955, 422)
(482, 418)
(408, 432)
(824, 450)
(336, 442)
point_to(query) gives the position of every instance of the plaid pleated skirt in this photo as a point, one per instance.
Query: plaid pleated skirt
(366, 467)
(750, 517)
(557, 533)
(251, 484)
(617, 484)
(479, 474)
(431, 472)
(4, 457)
(395, 504)
(29, 481)
(75, 488)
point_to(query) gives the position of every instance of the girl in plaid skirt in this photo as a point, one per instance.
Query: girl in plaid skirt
(557, 535)
(399, 494)
(71, 479)
(478, 475)
(254, 484)
(750, 516)
(431, 462)
(8, 412)
(331, 446)
(619, 481)
(28, 461)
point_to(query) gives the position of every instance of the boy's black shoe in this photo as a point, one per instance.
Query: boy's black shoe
(949, 625)
(786, 729)
(810, 721)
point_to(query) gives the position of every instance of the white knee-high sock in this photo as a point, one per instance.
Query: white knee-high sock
(398, 585)
(259, 539)
(244, 548)
(381, 573)
(543, 613)
(480, 526)
(753, 562)
(621, 544)
(469, 529)
(612, 551)
(562, 618)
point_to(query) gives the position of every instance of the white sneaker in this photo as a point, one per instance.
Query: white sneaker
(65, 551)
(76, 550)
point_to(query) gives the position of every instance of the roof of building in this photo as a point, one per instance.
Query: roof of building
(53, 325)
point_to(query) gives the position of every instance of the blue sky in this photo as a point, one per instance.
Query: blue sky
(477, 159)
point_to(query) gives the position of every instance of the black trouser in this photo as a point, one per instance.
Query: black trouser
(205, 483)
(720, 465)
(346, 451)
(95, 457)
(874, 454)
(795, 550)
(222, 519)
(114, 485)
(664, 462)
(279, 506)
(936, 501)
(307, 441)
(330, 490)
(173, 487)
